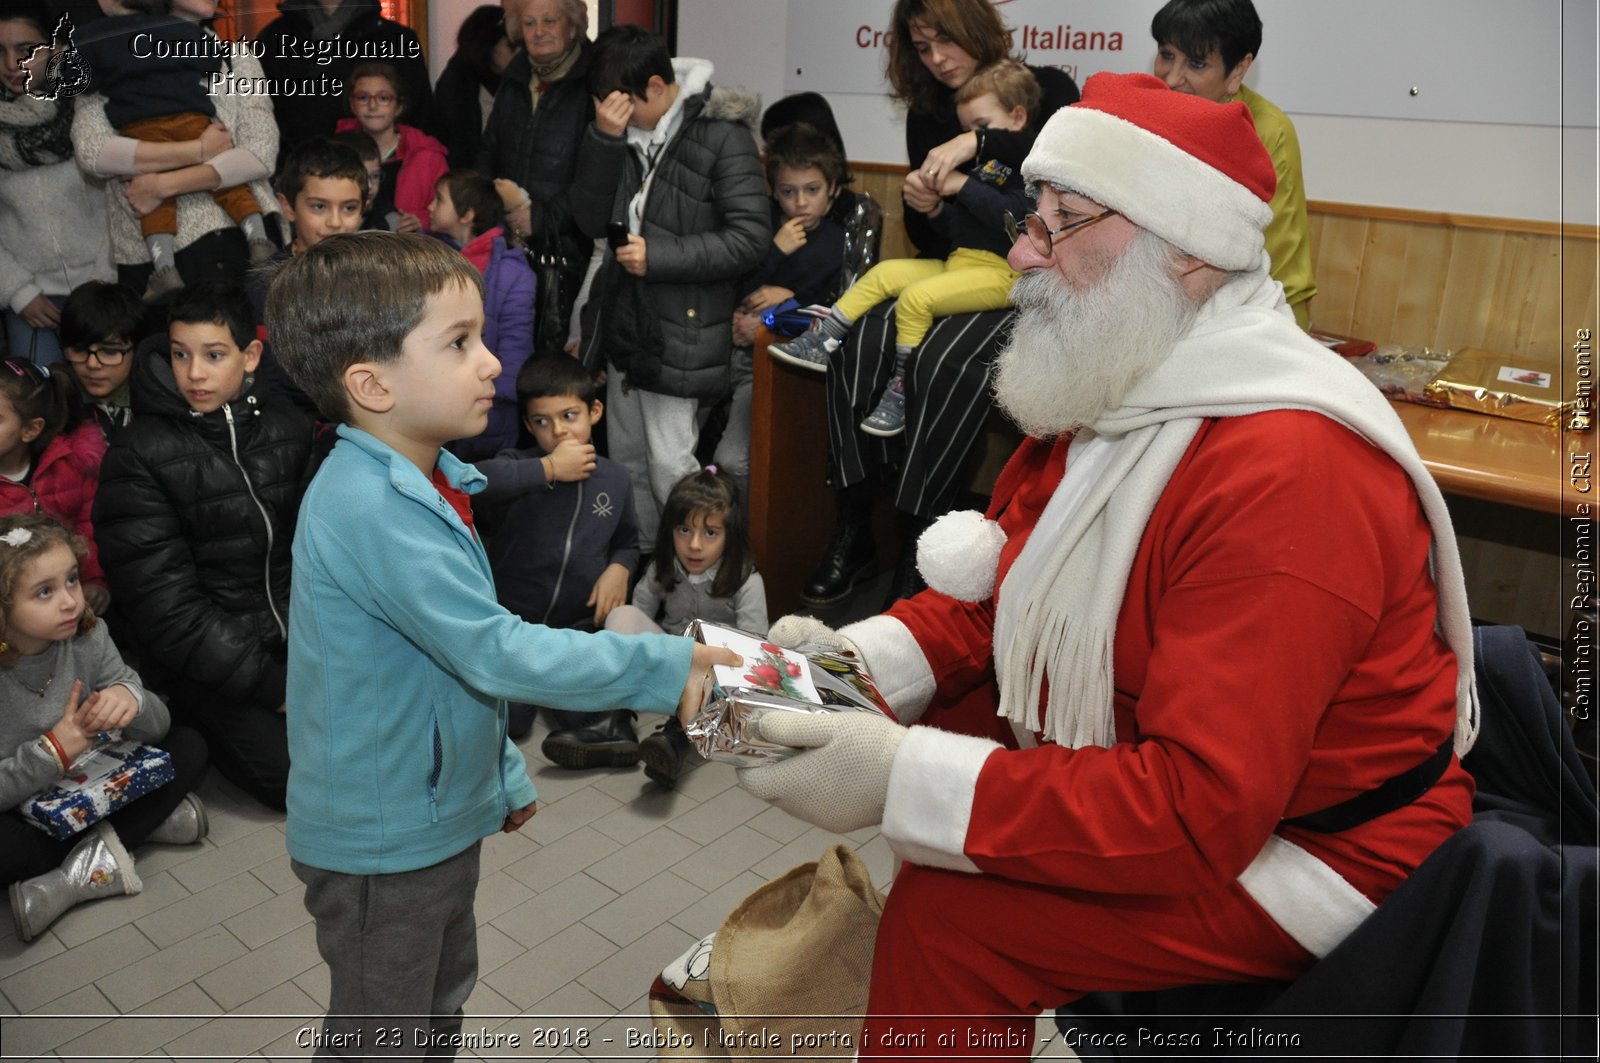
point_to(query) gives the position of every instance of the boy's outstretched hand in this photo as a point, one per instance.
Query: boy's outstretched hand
(698, 684)
(516, 819)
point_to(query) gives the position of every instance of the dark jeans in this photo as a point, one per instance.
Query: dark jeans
(249, 744)
(26, 851)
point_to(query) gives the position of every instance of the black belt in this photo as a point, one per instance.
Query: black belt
(1382, 799)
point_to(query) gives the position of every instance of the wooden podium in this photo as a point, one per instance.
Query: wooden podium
(791, 507)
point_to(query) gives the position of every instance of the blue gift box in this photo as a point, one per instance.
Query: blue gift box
(98, 783)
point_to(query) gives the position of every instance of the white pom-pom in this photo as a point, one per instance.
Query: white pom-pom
(959, 555)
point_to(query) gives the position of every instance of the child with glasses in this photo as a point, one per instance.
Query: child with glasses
(50, 460)
(411, 161)
(100, 325)
(154, 69)
(975, 276)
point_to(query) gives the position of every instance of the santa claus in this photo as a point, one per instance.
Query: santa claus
(1187, 703)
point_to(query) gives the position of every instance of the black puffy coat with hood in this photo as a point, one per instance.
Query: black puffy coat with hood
(194, 519)
(706, 224)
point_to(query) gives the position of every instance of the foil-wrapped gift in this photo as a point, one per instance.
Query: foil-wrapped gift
(772, 679)
(1521, 387)
(98, 783)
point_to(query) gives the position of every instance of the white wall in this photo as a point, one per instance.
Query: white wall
(1543, 173)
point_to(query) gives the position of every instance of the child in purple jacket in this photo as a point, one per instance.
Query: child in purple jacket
(467, 213)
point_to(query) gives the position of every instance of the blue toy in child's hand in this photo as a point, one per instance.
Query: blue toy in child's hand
(787, 319)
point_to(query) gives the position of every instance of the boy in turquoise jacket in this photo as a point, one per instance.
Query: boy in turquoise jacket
(400, 660)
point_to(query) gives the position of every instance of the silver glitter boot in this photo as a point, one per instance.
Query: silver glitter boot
(99, 866)
(184, 825)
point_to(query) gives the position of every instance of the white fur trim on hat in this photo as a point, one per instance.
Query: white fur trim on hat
(959, 555)
(1153, 183)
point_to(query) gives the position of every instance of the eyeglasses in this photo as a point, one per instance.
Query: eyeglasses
(106, 356)
(1040, 235)
(382, 99)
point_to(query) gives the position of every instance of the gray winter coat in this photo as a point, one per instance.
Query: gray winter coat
(705, 224)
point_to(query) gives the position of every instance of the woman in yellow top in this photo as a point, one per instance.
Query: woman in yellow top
(1204, 47)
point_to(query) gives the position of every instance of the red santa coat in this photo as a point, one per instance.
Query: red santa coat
(1275, 654)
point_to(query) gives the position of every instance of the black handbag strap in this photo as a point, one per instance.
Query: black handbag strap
(1386, 797)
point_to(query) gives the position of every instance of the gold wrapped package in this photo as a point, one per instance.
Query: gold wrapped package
(1521, 387)
(772, 679)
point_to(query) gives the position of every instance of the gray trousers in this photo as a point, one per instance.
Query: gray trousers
(402, 950)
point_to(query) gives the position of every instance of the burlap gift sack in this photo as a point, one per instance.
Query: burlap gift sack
(787, 972)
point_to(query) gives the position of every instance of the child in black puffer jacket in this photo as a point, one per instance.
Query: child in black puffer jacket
(196, 509)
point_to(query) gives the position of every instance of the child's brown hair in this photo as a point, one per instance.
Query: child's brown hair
(36, 393)
(354, 298)
(470, 190)
(1011, 83)
(801, 146)
(389, 73)
(23, 537)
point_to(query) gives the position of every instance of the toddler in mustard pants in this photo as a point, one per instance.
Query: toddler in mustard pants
(975, 277)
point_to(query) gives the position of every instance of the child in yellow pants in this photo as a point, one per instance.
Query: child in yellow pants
(975, 277)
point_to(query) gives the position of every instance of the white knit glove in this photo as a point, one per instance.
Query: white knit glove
(794, 631)
(841, 780)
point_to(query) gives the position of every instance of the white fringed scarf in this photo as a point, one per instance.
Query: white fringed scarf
(1057, 609)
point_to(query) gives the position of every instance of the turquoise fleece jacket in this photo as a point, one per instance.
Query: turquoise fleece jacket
(401, 663)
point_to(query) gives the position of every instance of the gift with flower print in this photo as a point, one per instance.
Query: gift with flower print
(772, 679)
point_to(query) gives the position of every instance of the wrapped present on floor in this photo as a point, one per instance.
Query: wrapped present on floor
(772, 679)
(1521, 387)
(98, 783)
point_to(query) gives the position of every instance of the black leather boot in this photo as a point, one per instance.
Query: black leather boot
(605, 740)
(664, 752)
(907, 579)
(850, 555)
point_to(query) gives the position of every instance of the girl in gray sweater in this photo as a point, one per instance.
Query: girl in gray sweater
(701, 569)
(64, 689)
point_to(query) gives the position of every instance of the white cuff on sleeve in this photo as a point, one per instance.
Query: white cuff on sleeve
(25, 295)
(931, 789)
(896, 663)
(116, 158)
(237, 166)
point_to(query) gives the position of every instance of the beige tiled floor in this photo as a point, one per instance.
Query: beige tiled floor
(216, 958)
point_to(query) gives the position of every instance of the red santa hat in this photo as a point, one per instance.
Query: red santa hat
(1191, 171)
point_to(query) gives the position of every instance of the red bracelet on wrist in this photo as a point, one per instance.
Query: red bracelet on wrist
(55, 747)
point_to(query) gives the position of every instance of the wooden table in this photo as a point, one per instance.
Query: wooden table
(1497, 459)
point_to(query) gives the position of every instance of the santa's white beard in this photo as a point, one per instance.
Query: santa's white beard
(1073, 355)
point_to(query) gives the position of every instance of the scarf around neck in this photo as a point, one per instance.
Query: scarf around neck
(546, 74)
(33, 132)
(1057, 609)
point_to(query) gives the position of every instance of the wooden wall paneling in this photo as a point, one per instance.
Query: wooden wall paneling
(1580, 296)
(1382, 276)
(1464, 314)
(1420, 294)
(1527, 313)
(1338, 264)
(1580, 293)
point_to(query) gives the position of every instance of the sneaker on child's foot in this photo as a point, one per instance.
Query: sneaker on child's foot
(809, 350)
(261, 251)
(164, 280)
(889, 418)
